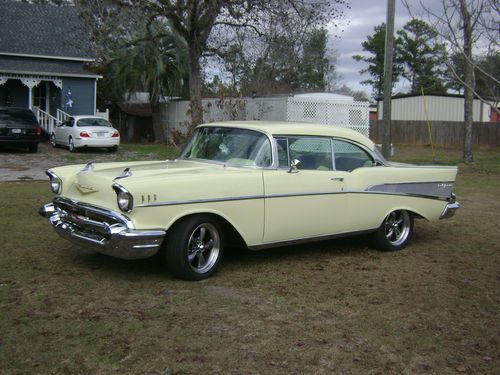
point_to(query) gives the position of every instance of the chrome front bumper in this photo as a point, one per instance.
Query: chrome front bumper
(103, 230)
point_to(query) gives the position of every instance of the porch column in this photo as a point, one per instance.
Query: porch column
(30, 83)
(47, 97)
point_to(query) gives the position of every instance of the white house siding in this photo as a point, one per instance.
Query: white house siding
(439, 108)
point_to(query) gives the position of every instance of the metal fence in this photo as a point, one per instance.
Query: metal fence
(352, 115)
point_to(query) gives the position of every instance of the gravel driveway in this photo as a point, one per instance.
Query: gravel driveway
(18, 165)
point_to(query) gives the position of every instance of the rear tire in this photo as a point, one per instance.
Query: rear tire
(71, 145)
(113, 149)
(194, 247)
(33, 148)
(395, 231)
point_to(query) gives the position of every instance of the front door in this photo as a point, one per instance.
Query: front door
(309, 202)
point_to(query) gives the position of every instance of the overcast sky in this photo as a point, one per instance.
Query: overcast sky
(363, 16)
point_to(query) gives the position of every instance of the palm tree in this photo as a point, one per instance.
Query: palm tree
(153, 63)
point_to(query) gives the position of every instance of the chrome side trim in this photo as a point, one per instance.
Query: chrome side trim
(310, 239)
(241, 198)
(208, 200)
(441, 189)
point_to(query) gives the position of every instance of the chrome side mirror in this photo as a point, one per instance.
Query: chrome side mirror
(295, 166)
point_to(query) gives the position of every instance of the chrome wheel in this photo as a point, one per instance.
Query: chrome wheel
(53, 140)
(71, 145)
(397, 227)
(394, 232)
(203, 248)
(194, 247)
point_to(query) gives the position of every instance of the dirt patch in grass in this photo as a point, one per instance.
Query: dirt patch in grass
(17, 164)
(335, 307)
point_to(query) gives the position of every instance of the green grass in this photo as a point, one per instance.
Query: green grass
(145, 150)
(335, 307)
(485, 160)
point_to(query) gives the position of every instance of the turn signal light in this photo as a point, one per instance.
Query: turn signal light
(115, 135)
(84, 135)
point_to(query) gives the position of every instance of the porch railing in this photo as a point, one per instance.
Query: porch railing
(47, 122)
(104, 115)
(61, 115)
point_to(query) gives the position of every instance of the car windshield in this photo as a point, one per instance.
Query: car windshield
(90, 121)
(232, 146)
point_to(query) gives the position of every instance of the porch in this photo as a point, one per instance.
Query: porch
(48, 98)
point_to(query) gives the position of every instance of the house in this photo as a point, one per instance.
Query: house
(435, 107)
(43, 52)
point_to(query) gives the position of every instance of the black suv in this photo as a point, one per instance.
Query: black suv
(19, 127)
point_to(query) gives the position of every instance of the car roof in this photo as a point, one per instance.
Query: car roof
(79, 117)
(277, 128)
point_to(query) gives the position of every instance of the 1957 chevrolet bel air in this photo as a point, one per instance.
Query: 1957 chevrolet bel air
(268, 183)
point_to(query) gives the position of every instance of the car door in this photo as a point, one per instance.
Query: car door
(63, 132)
(310, 201)
(59, 131)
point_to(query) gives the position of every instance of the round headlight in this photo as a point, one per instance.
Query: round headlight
(55, 186)
(55, 182)
(124, 199)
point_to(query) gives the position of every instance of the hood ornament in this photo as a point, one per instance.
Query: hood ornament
(88, 168)
(126, 173)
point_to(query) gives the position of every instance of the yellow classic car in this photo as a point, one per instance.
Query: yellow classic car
(266, 183)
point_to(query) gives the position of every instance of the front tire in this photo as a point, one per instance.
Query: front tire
(395, 231)
(194, 247)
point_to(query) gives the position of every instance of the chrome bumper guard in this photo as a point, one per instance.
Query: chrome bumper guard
(450, 210)
(106, 231)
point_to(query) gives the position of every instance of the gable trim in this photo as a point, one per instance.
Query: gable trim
(86, 59)
(45, 74)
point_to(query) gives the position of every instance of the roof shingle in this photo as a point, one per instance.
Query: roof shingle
(43, 30)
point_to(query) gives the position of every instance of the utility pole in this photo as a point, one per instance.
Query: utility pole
(388, 57)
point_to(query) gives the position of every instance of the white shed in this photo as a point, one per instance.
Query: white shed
(329, 109)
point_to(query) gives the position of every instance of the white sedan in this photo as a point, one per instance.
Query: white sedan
(85, 131)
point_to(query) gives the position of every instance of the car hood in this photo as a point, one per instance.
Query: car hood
(156, 181)
(96, 176)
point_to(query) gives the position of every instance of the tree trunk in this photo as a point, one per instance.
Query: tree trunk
(195, 107)
(157, 128)
(469, 82)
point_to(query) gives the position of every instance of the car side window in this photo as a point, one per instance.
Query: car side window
(349, 156)
(282, 147)
(314, 153)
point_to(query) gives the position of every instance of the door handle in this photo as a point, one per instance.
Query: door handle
(341, 179)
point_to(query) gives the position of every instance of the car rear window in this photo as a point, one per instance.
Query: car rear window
(17, 114)
(93, 122)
